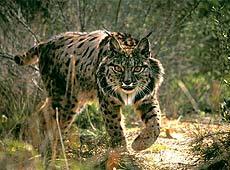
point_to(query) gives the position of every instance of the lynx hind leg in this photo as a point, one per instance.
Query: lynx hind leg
(49, 128)
(150, 116)
(60, 117)
(51, 141)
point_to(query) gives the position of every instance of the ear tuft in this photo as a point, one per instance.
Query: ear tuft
(143, 46)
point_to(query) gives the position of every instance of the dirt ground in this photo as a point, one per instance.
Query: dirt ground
(171, 151)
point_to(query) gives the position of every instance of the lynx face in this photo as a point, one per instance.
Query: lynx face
(127, 72)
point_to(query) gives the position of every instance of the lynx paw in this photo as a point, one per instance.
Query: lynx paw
(145, 139)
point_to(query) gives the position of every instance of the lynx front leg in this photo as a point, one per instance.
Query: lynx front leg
(149, 111)
(112, 118)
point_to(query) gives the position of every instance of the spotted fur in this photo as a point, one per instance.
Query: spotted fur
(112, 67)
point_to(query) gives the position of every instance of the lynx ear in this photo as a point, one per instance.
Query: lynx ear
(114, 44)
(143, 47)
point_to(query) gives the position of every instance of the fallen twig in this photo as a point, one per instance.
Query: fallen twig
(189, 96)
(61, 140)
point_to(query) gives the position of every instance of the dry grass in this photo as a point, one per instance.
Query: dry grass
(211, 145)
(188, 146)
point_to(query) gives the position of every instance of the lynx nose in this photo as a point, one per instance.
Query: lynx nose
(127, 78)
(127, 82)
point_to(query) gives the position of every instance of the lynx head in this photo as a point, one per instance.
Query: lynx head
(129, 71)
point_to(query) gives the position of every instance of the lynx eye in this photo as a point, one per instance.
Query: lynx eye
(138, 69)
(117, 68)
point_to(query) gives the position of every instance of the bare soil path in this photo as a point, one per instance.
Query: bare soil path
(171, 151)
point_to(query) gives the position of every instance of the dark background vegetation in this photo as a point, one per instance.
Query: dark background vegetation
(190, 37)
